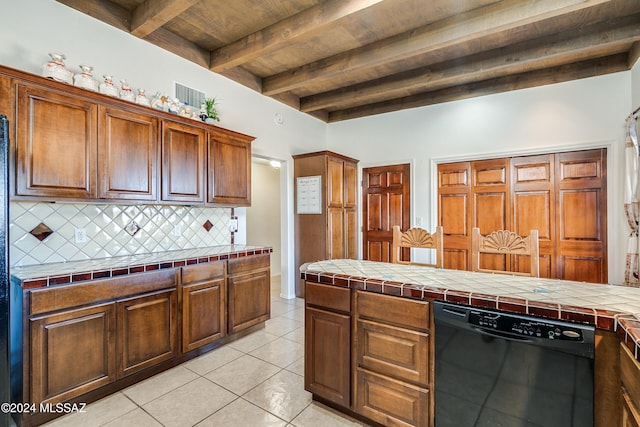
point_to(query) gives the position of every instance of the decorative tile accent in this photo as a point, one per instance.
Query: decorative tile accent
(207, 225)
(41, 231)
(132, 228)
(104, 225)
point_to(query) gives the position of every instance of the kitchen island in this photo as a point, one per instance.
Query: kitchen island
(394, 293)
(86, 329)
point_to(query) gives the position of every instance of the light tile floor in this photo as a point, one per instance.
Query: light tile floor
(254, 381)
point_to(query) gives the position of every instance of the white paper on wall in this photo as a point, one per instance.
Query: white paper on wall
(309, 196)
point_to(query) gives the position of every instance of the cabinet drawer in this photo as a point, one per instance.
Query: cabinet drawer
(394, 351)
(61, 297)
(391, 402)
(248, 263)
(203, 272)
(391, 309)
(328, 296)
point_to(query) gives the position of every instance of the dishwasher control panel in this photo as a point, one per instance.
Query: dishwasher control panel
(525, 327)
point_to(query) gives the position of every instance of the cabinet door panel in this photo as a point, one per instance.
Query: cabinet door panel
(335, 182)
(350, 185)
(60, 341)
(146, 330)
(327, 364)
(56, 145)
(183, 156)
(229, 170)
(128, 153)
(335, 233)
(249, 300)
(203, 313)
(351, 233)
(630, 390)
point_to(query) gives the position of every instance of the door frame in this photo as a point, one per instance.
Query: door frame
(614, 151)
(412, 181)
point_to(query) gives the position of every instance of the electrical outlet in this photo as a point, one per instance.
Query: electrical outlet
(177, 230)
(80, 235)
(233, 225)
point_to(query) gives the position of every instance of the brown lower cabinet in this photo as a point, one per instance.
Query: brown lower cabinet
(630, 388)
(101, 335)
(371, 354)
(393, 360)
(60, 340)
(327, 323)
(115, 327)
(147, 326)
(203, 304)
(248, 289)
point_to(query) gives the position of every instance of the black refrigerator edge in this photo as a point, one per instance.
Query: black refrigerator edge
(5, 364)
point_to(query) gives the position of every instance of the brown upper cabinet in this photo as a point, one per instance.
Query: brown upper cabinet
(229, 175)
(56, 145)
(74, 144)
(127, 155)
(183, 162)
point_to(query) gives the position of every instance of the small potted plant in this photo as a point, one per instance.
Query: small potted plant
(208, 112)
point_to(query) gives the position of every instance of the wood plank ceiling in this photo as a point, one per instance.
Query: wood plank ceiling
(343, 59)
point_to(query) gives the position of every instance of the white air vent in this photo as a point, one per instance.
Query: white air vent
(188, 95)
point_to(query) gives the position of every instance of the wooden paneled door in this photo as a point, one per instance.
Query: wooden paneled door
(454, 204)
(562, 195)
(386, 201)
(581, 216)
(534, 206)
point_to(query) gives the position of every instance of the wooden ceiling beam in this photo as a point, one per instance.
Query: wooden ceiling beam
(579, 45)
(308, 22)
(153, 14)
(184, 48)
(575, 71)
(485, 21)
(103, 10)
(634, 54)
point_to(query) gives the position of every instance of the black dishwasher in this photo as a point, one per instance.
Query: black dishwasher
(496, 369)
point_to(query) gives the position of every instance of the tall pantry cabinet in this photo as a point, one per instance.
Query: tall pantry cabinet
(326, 220)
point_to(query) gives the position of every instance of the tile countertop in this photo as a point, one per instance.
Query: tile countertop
(36, 276)
(611, 307)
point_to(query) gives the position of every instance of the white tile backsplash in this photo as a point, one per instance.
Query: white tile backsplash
(106, 237)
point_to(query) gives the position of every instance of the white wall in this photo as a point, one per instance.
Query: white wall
(263, 217)
(574, 115)
(33, 28)
(635, 85)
